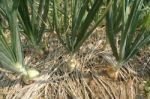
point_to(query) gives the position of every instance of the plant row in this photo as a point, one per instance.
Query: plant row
(74, 21)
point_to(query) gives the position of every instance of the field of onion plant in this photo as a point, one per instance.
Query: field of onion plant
(74, 49)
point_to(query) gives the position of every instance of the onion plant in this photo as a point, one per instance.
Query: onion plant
(11, 56)
(74, 22)
(33, 21)
(122, 23)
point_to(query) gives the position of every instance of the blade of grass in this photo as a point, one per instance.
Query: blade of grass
(111, 33)
(93, 27)
(83, 33)
(34, 22)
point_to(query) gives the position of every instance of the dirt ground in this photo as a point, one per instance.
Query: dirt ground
(91, 79)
